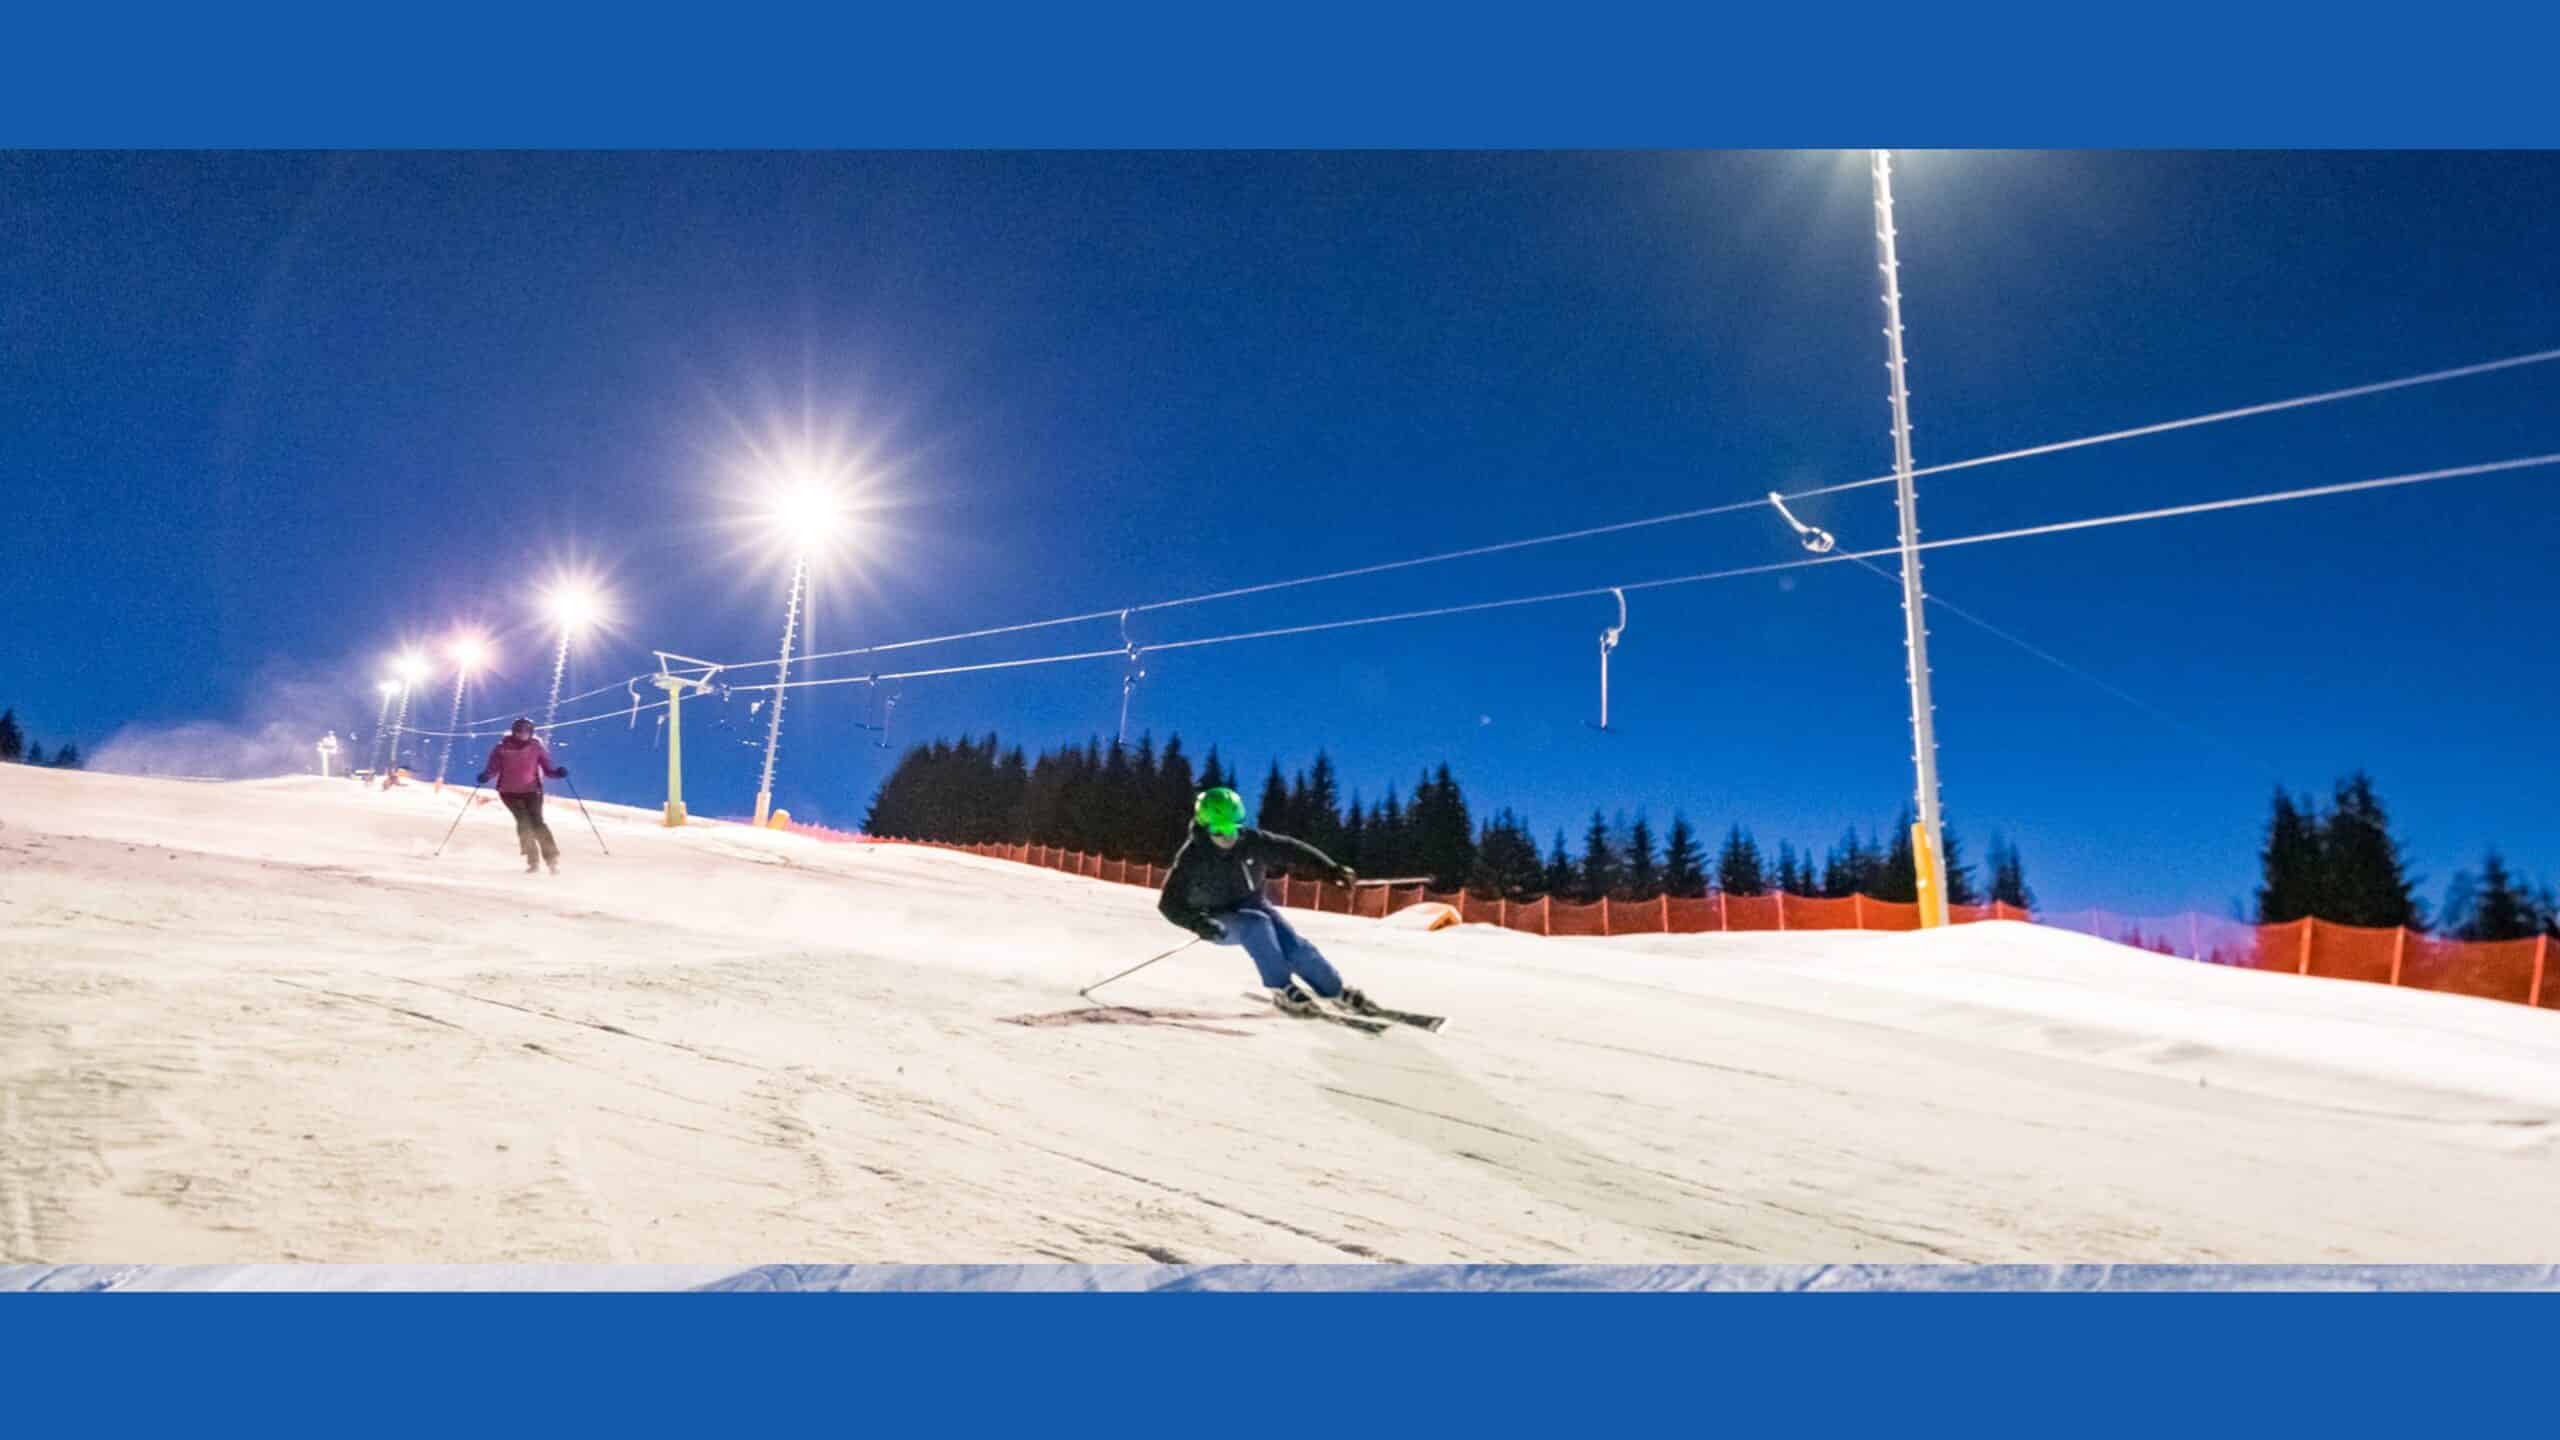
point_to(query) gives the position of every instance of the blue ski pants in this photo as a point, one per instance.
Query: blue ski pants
(1277, 950)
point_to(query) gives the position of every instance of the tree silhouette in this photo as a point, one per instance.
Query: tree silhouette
(1601, 867)
(1644, 873)
(1560, 878)
(1506, 862)
(1738, 868)
(2290, 863)
(1684, 875)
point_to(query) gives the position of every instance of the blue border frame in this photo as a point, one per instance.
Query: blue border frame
(1325, 75)
(1414, 1364)
(1579, 1363)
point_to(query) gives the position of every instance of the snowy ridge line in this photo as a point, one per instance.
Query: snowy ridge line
(1052, 1279)
(2521, 972)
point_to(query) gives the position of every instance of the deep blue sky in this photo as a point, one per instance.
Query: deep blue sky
(271, 415)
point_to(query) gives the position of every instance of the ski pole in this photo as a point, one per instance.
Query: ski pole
(457, 821)
(1087, 992)
(582, 809)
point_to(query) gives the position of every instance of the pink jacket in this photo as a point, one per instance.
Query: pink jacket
(519, 765)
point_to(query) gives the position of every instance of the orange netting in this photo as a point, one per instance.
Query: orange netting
(1752, 912)
(1570, 919)
(1809, 914)
(2491, 969)
(1529, 915)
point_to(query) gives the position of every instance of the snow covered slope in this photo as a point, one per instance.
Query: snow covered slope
(256, 1022)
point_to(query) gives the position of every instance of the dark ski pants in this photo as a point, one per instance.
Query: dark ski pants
(1277, 950)
(532, 835)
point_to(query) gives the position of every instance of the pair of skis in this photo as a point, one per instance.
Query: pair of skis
(1369, 1019)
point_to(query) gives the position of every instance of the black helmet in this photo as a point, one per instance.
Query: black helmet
(523, 726)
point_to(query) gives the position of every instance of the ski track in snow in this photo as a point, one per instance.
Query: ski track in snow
(251, 1027)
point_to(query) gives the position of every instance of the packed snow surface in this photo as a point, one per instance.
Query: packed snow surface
(258, 1022)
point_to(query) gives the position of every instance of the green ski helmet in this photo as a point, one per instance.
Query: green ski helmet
(1220, 811)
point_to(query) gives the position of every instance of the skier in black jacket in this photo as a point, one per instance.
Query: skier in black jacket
(1215, 892)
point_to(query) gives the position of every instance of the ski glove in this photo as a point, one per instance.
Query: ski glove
(1210, 930)
(1344, 875)
(560, 774)
(484, 778)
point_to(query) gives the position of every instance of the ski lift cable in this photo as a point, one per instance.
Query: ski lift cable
(2404, 382)
(2432, 377)
(2056, 527)
(2191, 729)
(2019, 533)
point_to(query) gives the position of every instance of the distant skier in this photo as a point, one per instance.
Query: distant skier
(1215, 892)
(519, 763)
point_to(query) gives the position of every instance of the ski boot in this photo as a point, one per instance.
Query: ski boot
(1290, 1000)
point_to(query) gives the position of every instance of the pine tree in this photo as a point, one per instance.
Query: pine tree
(1560, 877)
(1273, 813)
(1355, 836)
(1443, 839)
(35, 754)
(1795, 877)
(1169, 815)
(2009, 876)
(2366, 882)
(1213, 774)
(2494, 906)
(1013, 797)
(1961, 889)
(1145, 800)
(1738, 868)
(68, 757)
(13, 741)
(1087, 801)
(1389, 843)
(1684, 875)
(1644, 874)
(1319, 816)
(1177, 795)
(1601, 867)
(1114, 824)
(1506, 861)
(2290, 864)
(1896, 873)
(1850, 867)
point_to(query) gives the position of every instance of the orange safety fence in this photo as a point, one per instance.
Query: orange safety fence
(2520, 971)
(2512, 970)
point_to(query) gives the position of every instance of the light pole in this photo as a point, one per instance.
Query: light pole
(574, 606)
(410, 670)
(1927, 844)
(782, 679)
(807, 514)
(467, 653)
(328, 751)
(381, 733)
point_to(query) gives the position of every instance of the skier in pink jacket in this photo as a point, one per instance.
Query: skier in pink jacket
(519, 764)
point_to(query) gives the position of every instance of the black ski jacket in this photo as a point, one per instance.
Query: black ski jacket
(1208, 881)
